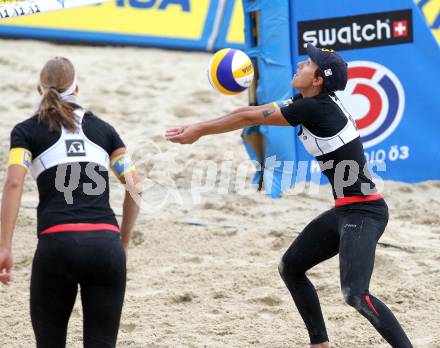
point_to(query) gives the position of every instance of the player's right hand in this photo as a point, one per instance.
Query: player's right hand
(5, 265)
(183, 135)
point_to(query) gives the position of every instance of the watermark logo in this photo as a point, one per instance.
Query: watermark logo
(169, 180)
(157, 170)
(375, 98)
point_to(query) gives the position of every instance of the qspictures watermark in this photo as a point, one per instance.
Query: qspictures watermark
(219, 177)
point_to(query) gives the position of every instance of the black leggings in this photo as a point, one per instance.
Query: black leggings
(96, 262)
(353, 232)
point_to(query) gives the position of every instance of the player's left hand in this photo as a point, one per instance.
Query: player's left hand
(183, 135)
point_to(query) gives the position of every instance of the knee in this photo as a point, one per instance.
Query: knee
(288, 269)
(352, 298)
(281, 268)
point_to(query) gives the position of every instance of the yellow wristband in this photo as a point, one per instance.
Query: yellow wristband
(283, 103)
(20, 156)
(122, 164)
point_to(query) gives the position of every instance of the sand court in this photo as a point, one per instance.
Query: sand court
(202, 268)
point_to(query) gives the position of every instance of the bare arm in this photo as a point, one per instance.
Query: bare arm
(129, 216)
(11, 200)
(133, 192)
(258, 115)
(253, 117)
(251, 108)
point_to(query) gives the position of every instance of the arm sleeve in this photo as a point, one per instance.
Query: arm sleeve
(116, 141)
(101, 133)
(20, 149)
(298, 111)
(287, 102)
(282, 103)
(20, 138)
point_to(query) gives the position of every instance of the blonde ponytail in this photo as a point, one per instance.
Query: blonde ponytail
(55, 78)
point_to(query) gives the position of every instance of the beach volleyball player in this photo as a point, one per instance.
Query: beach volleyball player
(353, 227)
(69, 151)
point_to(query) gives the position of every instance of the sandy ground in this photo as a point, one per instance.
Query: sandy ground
(214, 285)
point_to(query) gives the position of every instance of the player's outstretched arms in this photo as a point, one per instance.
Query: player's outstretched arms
(269, 115)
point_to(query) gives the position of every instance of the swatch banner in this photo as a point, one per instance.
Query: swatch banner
(187, 24)
(388, 47)
(392, 90)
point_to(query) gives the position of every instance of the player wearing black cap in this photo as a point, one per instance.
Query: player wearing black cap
(69, 152)
(353, 227)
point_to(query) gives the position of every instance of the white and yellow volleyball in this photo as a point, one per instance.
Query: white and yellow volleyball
(230, 71)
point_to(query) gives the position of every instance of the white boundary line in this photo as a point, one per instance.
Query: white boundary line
(30, 7)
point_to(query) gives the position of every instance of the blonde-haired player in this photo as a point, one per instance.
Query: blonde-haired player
(69, 151)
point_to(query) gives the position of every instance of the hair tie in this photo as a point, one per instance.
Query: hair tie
(53, 87)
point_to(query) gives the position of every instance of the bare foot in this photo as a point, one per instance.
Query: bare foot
(321, 345)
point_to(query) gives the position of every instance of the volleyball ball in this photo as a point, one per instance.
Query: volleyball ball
(230, 71)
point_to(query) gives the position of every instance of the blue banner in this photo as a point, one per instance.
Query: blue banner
(392, 91)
